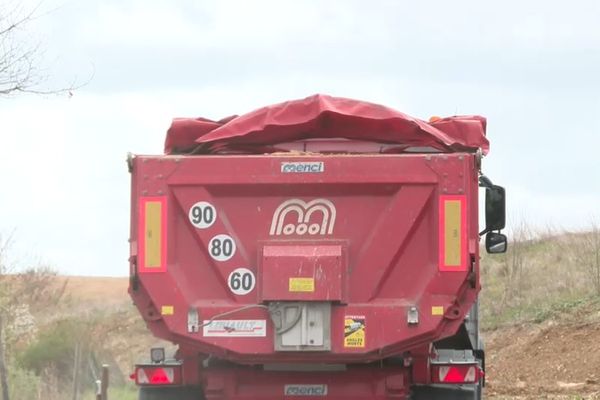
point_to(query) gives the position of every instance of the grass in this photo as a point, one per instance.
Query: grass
(535, 313)
(539, 278)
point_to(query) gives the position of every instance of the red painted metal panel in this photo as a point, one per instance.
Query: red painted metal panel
(356, 383)
(302, 272)
(387, 221)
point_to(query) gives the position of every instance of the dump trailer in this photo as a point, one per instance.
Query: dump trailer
(317, 248)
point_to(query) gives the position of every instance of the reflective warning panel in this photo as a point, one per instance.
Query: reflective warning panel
(152, 234)
(453, 233)
(354, 331)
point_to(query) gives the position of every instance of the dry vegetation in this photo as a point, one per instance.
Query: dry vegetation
(541, 316)
(60, 330)
(541, 274)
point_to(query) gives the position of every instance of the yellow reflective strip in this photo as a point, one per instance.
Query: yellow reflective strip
(437, 310)
(452, 234)
(167, 310)
(153, 234)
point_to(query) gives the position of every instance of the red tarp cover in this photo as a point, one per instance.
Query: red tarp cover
(321, 116)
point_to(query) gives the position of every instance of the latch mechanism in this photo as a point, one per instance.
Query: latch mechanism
(301, 326)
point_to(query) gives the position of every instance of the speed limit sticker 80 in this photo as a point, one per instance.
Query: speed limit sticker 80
(221, 247)
(241, 281)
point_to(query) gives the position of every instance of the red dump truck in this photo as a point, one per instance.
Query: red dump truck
(318, 248)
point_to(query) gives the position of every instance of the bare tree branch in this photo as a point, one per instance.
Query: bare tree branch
(20, 60)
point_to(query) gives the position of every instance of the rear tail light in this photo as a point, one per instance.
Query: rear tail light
(153, 375)
(456, 373)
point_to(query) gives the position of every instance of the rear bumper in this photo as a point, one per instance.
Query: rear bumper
(355, 383)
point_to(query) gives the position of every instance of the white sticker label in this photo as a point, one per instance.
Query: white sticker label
(241, 281)
(221, 247)
(202, 215)
(235, 328)
(297, 217)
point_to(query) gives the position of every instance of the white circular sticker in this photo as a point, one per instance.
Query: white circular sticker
(241, 281)
(202, 215)
(221, 247)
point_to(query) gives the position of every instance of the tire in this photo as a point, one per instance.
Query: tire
(466, 392)
(171, 393)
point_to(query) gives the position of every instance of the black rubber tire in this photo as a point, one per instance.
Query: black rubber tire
(471, 392)
(479, 392)
(171, 393)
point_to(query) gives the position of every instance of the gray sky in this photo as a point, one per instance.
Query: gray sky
(532, 68)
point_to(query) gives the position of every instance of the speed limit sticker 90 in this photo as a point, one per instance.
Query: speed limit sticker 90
(202, 214)
(241, 281)
(221, 247)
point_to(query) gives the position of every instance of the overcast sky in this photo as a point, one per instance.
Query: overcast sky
(532, 68)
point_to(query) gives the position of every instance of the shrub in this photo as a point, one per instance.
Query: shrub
(54, 349)
(24, 384)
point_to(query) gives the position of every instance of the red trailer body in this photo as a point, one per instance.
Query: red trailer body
(302, 274)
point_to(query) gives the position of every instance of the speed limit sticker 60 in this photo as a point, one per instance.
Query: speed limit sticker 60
(241, 281)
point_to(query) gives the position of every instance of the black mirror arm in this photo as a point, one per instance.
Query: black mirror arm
(486, 230)
(485, 182)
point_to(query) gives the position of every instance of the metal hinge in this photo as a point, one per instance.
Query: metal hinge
(130, 158)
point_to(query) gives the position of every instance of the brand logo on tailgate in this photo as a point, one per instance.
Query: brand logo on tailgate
(305, 390)
(235, 328)
(302, 167)
(317, 217)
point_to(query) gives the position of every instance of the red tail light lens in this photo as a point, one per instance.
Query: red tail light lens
(158, 375)
(162, 376)
(456, 373)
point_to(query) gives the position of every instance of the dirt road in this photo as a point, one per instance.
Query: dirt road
(557, 359)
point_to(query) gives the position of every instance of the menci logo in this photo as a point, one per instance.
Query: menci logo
(302, 167)
(305, 390)
(317, 217)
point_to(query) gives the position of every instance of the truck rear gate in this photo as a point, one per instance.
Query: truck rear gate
(296, 274)
(347, 252)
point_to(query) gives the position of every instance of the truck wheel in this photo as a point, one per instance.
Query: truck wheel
(470, 392)
(171, 393)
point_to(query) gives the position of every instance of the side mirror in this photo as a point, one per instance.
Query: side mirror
(495, 208)
(495, 243)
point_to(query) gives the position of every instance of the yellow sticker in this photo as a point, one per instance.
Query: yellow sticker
(302, 285)
(354, 331)
(167, 310)
(437, 310)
